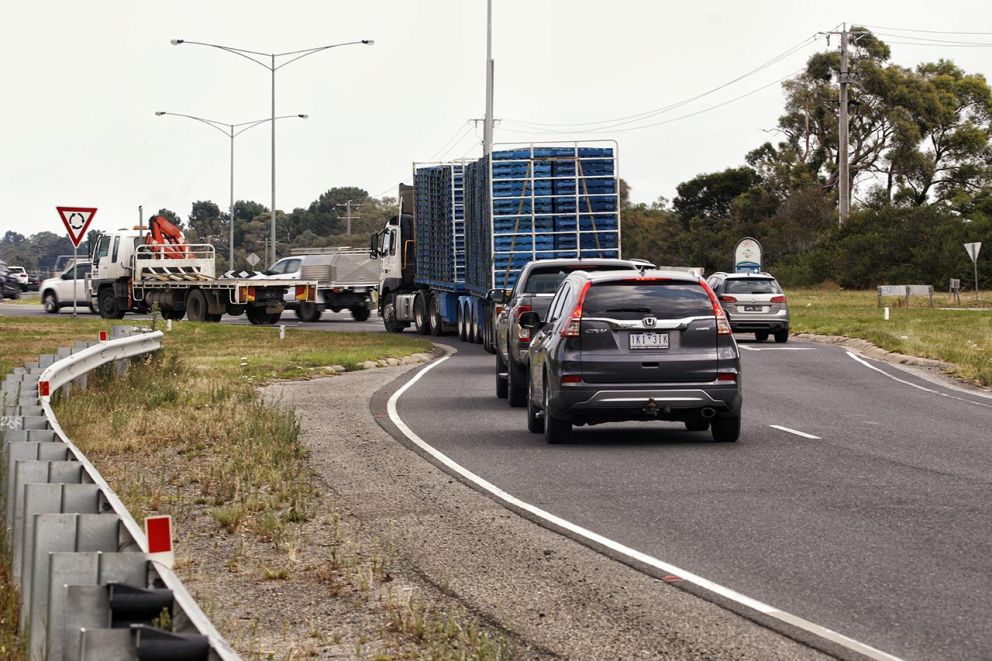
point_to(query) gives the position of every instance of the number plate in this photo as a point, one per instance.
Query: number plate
(752, 308)
(649, 340)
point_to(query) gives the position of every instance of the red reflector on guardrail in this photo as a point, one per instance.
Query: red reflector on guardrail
(44, 389)
(158, 530)
(103, 336)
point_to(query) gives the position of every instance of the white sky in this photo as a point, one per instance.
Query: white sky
(82, 80)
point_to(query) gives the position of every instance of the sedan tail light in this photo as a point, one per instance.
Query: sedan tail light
(778, 299)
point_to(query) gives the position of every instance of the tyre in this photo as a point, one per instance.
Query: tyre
(535, 423)
(434, 316)
(107, 300)
(196, 305)
(761, 336)
(51, 302)
(501, 385)
(488, 330)
(309, 312)
(420, 315)
(299, 314)
(389, 316)
(462, 321)
(257, 316)
(726, 430)
(556, 430)
(782, 336)
(358, 313)
(516, 391)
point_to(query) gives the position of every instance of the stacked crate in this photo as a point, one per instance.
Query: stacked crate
(440, 224)
(539, 202)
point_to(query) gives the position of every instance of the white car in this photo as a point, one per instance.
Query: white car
(56, 292)
(21, 275)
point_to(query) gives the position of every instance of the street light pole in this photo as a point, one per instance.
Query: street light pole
(260, 59)
(230, 131)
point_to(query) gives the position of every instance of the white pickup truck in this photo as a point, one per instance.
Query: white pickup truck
(57, 291)
(346, 278)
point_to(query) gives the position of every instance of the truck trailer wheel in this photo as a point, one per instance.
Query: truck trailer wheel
(196, 305)
(434, 316)
(107, 300)
(360, 313)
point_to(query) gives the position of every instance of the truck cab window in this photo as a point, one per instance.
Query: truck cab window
(103, 247)
(392, 242)
(117, 245)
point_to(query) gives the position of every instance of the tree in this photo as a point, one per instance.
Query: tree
(709, 196)
(205, 219)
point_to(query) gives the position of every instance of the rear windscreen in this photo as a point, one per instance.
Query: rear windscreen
(636, 300)
(751, 286)
(547, 281)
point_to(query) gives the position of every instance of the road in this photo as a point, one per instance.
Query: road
(854, 500)
(858, 497)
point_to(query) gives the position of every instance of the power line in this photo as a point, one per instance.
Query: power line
(930, 41)
(629, 119)
(882, 27)
(457, 133)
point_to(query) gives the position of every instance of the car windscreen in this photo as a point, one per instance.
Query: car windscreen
(547, 281)
(636, 299)
(751, 286)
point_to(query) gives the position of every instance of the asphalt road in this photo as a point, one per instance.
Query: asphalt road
(875, 524)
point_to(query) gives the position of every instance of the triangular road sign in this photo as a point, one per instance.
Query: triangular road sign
(76, 221)
(973, 249)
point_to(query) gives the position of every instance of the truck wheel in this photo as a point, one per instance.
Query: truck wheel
(51, 302)
(389, 316)
(434, 316)
(309, 312)
(360, 313)
(196, 305)
(107, 300)
(460, 314)
(420, 315)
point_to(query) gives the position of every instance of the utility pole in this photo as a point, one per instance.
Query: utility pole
(487, 130)
(348, 205)
(842, 149)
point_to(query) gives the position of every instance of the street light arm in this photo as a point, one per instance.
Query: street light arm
(259, 122)
(247, 54)
(310, 51)
(212, 123)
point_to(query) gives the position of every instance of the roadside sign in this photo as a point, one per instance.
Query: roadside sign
(76, 221)
(973, 249)
(253, 259)
(747, 256)
(158, 530)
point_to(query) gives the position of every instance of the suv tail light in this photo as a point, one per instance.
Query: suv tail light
(571, 329)
(523, 334)
(722, 325)
(778, 299)
(728, 299)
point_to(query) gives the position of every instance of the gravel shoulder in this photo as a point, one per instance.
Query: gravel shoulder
(550, 595)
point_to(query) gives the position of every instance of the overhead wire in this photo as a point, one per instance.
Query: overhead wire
(630, 119)
(882, 27)
(461, 129)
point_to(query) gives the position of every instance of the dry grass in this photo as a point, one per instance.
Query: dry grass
(961, 337)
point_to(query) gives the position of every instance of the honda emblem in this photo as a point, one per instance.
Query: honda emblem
(649, 322)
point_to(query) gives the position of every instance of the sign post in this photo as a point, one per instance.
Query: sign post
(973, 249)
(747, 256)
(76, 221)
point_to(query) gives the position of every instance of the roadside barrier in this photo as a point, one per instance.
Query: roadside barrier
(89, 589)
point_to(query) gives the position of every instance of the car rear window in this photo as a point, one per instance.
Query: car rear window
(547, 281)
(751, 286)
(636, 300)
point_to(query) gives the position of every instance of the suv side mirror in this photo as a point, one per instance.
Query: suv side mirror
(531, 320)
(496, 296)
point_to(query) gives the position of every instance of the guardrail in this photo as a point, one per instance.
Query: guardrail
(89, 588)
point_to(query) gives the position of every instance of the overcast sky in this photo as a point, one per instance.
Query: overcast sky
(82, 81)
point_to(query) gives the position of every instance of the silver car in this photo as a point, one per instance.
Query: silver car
(754, 303)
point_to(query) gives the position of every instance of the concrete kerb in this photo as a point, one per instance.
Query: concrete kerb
(58, 507)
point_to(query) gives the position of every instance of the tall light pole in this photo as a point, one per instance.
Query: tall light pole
(487, 126)
(232, 131)
(268, 61)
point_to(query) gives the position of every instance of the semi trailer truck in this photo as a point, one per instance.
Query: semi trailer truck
(465, 230)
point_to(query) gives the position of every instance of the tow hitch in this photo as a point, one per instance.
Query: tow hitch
(651, 409)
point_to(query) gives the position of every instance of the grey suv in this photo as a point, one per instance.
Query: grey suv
(616, 346)
(754, 303)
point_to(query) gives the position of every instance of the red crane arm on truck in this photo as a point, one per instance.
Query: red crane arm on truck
(166, 239)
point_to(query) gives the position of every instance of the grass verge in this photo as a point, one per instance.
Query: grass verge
(186, 433)
(961, 337)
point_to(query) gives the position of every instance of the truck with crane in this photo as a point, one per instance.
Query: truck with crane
(465, 230)
(134, 270)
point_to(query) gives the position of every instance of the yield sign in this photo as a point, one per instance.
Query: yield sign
(973, 249)
(76, 220)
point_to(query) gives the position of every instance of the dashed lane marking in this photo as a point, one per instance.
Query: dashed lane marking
(795, 431)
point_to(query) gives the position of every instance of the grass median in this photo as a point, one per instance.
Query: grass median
(957, 333)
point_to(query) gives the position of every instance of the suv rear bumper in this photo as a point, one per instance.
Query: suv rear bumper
(751, 325)
(595, 403)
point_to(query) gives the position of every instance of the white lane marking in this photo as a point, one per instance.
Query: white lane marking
(750, 348)
(795, 431)
(916, 385)
(617, 547)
